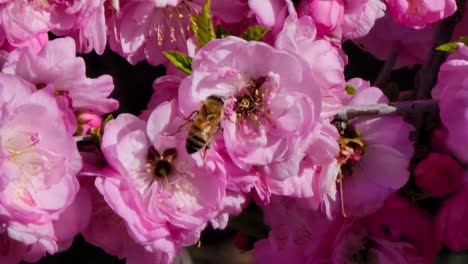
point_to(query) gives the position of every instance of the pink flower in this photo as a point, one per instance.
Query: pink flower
(438, 175)
(360, 16)
(327, 15)
(411, 45)
(106, 229)
(316, 181)
(144, 29)
(452, 91)
(84, 21)
(451, 218)
(56, 64)
(230, 11)
(368, 147)
(165, 195)
(24, 24)
(73, 220)
(400, 220)
(164, 89)
(397, 233)
(297, 235)
(326, 60)
(420, 13)
(271, 106)
(38, 162)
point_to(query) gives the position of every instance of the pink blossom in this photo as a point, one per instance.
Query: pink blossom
(400, 220)
(144, 29)
(268, 12)
(452, 91)
(38, 161)
(56, 64)
(327, 15)
(360, 16)
(271, 106)
(301, 235)
(164, 89)
(35, 241)
(230, 11)
(24, 24)
(165, 195)
(412, 46)
(439, 175)
(368, 147)
(326, 60)
(106, 229)
(73, 220)
(451, 218)
(420, 13)
(316, 181)
(297, 235)
(84, 21)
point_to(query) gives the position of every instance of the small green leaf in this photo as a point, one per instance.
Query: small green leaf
(202, 25)
(221, 32)
(350, 89)
(449, 47)
(180, 60)
(453, 45)
(255, 33)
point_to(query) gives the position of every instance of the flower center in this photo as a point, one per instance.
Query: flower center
(352, 147)
(161, 166)
(251, 102)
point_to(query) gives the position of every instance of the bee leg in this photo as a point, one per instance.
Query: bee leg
(204, 154)
(187, 120)
(191, 115)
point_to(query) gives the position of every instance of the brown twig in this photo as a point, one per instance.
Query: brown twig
(420, 106)
(386, 71)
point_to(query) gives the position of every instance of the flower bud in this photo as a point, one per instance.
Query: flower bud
(451, 225)
(439, 140)
(438, 175)
(87, 121)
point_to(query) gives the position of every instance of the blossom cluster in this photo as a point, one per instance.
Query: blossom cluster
(247, 114)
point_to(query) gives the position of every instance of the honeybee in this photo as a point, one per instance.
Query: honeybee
(205, 124)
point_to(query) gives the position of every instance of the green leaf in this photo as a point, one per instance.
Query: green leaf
(180, 60)
(255, 33)
(449, 47)
(221, 32)
(453, 46)
(202, 25)
(350, 89)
